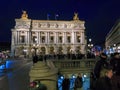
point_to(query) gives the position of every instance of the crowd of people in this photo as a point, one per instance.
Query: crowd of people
(45, 57)
(73, 83)
(106, 73)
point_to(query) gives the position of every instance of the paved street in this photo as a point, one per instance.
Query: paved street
(17, 79)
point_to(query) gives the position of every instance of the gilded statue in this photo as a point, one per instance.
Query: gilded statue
(24, 15)
(75, 16)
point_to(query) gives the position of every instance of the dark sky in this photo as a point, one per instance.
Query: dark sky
(99, 15)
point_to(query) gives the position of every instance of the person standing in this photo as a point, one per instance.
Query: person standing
(35, 59)
(78, 82)
(115, 63)
(60, 81)
(66, 83)
(102, 63)
(72, 82)
(104, 82)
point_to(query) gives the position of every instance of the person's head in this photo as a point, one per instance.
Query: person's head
(66, 76)
(106, 72)
(79, 75)
(116, 55)
(103, 56)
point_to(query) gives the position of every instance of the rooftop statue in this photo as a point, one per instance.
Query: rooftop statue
(24, 15)
(75, 16)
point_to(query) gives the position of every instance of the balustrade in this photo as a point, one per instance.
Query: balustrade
(86, 65)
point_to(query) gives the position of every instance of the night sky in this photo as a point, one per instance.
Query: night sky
(99, 15)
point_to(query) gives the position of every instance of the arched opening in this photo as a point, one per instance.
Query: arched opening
(43, 50)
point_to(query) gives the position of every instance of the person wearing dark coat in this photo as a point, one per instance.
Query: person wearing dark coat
(35, 59)
(104, 82)
(66, 83)
(115, 63)
(100, 64)
(79, 82)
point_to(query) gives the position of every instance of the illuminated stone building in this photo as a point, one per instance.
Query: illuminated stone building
(113, 38)
(31, 37)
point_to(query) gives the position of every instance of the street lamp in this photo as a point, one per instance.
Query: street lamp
(90, 45)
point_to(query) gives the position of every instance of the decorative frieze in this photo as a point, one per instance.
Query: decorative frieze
(56, 25)
(22, 24)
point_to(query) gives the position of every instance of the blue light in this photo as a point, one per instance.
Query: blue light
(2, 66)
(62, 77)
(11, 63)
(73, 76)
(8, 64)
(85, 76)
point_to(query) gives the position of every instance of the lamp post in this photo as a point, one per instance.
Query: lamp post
(90, 45)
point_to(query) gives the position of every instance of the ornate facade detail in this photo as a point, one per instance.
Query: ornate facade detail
(48, 36)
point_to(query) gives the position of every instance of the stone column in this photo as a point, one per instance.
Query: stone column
(55, 49)
(28, 37)
(25, 38)
(19, 37)
(46, 75)
(16, 37)
(13, 38)
(75, 37)
(82, 42)
(64, 49)
(63, 37)
(39, 37)
(47, 50)
(82, 38)
(55, 37)
(72, 37)
(46, 38)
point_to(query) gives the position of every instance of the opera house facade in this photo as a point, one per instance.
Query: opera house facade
(31, 37)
